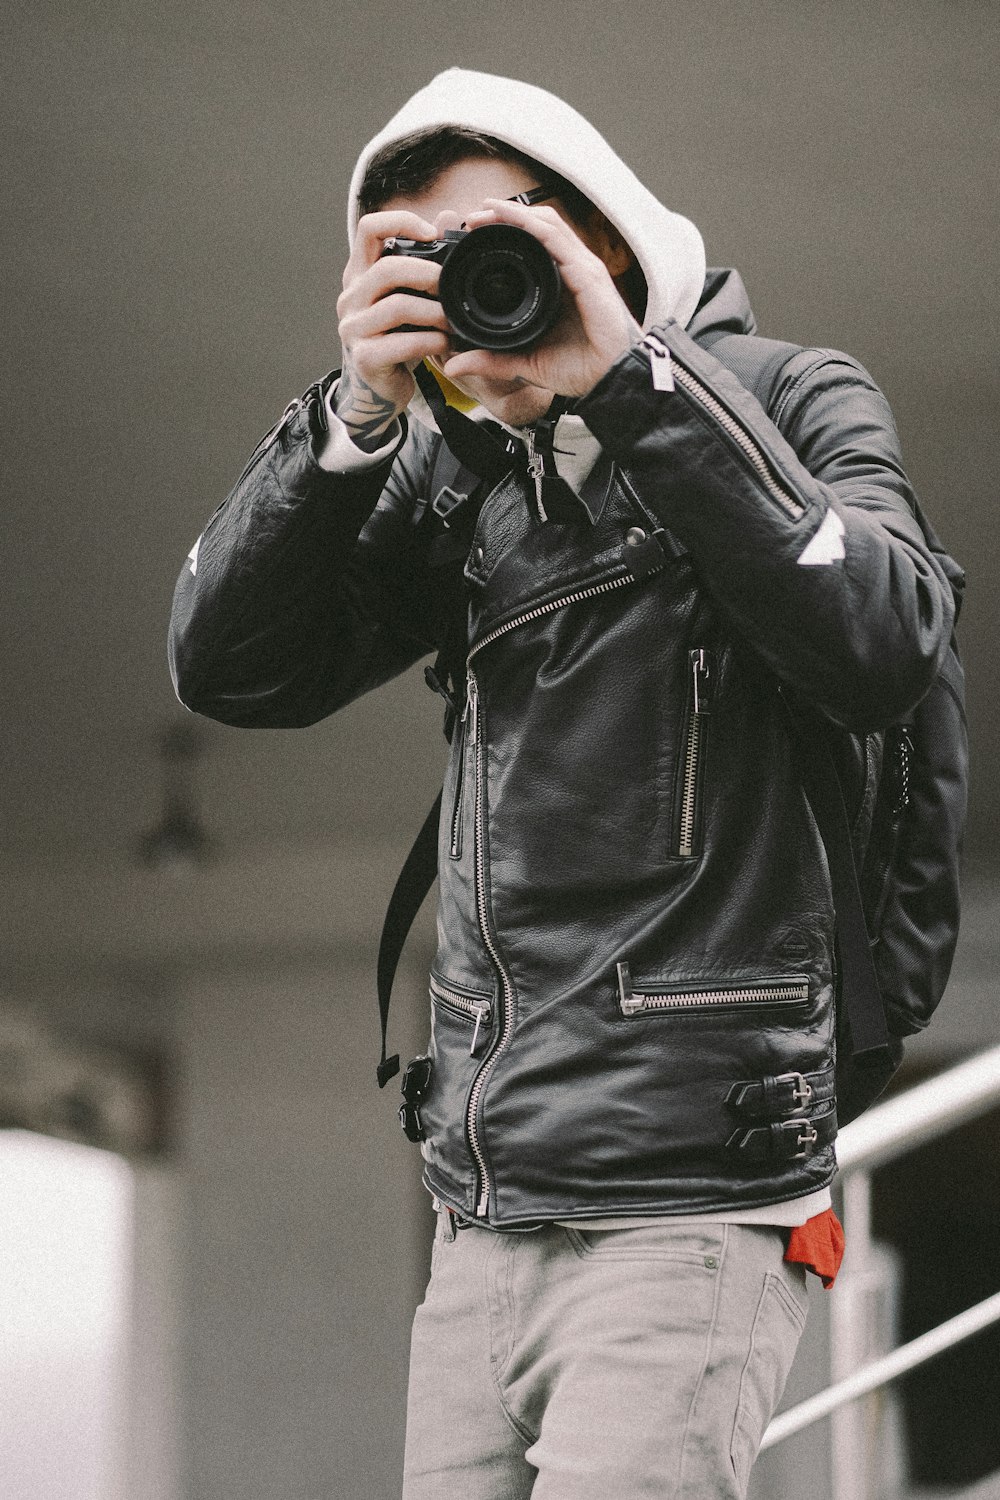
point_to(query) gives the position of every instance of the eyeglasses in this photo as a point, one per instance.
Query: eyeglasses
(532, 196)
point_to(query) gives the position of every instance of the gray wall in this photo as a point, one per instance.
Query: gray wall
(175, 182)
(173, 241)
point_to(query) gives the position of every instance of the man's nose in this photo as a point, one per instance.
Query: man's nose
(447, 219)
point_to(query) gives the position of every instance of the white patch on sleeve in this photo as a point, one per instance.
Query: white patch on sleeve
(827, 546)
(193, 556)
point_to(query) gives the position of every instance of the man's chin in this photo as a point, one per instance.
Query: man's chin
(517, 405)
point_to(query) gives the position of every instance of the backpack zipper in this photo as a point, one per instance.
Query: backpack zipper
(702, 682)
(471, 1008)
(632, 1002)
(667, 372)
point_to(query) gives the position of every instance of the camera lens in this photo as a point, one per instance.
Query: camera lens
(500, 288)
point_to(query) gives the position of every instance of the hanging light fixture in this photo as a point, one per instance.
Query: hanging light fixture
(179, 841)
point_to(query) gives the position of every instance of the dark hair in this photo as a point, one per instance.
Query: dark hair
(415, 161)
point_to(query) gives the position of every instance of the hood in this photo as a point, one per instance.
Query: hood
(667, 246)
(724, 306)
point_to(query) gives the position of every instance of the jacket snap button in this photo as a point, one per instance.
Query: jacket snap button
(635, 536)
(479, 557)
(711, 1261)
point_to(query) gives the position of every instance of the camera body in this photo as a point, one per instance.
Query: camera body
(500, 288)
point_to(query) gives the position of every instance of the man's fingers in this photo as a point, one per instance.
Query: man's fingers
(410, 348)
(395, 273)
(562, 243)
(374, 229)
(386, 314)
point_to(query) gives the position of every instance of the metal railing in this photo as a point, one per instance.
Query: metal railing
(884, 1133)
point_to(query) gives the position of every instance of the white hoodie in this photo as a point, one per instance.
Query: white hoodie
(667, 246)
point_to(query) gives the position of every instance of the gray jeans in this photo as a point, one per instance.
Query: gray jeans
(571, 1364)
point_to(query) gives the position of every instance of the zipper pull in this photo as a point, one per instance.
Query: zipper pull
(472, 707)
(482, 1013)
(629, 1002)
(703, 676)
(904, 757)
(660, 365)
(536, 469)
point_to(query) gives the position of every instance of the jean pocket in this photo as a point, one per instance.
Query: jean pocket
(693, 1246)
(774, 1338)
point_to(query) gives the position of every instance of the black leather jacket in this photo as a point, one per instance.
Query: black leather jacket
(632, 999)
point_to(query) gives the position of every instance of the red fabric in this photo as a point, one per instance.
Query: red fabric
(818, 1244)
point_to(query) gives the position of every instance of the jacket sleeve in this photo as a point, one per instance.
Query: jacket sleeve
(808, 542)
(307, 587)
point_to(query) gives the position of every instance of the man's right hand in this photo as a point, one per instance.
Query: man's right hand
(378, 360)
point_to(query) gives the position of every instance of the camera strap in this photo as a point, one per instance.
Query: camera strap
(487, 451)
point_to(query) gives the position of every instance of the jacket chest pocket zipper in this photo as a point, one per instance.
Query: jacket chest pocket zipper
(702, 682)
(793, 990)
(470, 728)
(475, 1009)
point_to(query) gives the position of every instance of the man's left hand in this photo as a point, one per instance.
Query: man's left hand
(595, 327)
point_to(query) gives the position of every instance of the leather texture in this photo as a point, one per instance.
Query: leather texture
(610, 811)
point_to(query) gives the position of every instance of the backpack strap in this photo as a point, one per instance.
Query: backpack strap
(757, 363)
(415, 880)
(452, 483)
(485, 449)
(859, 988)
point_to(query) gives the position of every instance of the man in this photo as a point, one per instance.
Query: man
(628, 1114)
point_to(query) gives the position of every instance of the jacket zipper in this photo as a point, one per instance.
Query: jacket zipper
(754, 992)
(619, 580)
(667, 371)
(457, 819)
(702, 682)
(506, 984)
(469, 1007)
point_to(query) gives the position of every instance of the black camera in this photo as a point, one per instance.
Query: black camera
(500, 288)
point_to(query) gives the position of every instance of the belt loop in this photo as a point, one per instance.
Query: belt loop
(447, 1225)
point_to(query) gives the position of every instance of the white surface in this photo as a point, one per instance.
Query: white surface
(64, 1246)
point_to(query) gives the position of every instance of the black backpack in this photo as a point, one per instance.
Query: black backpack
(890, 808)
(893, 834)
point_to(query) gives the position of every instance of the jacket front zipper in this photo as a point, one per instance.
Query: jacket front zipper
(475, 1008)
(632, 1002)
(506, 998)
(702, 666)
(666, 368)
(506, 984)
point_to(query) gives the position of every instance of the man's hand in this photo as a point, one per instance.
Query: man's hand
(377, 382)
(595, 327)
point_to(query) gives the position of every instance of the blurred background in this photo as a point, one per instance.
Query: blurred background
(210, 1294)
